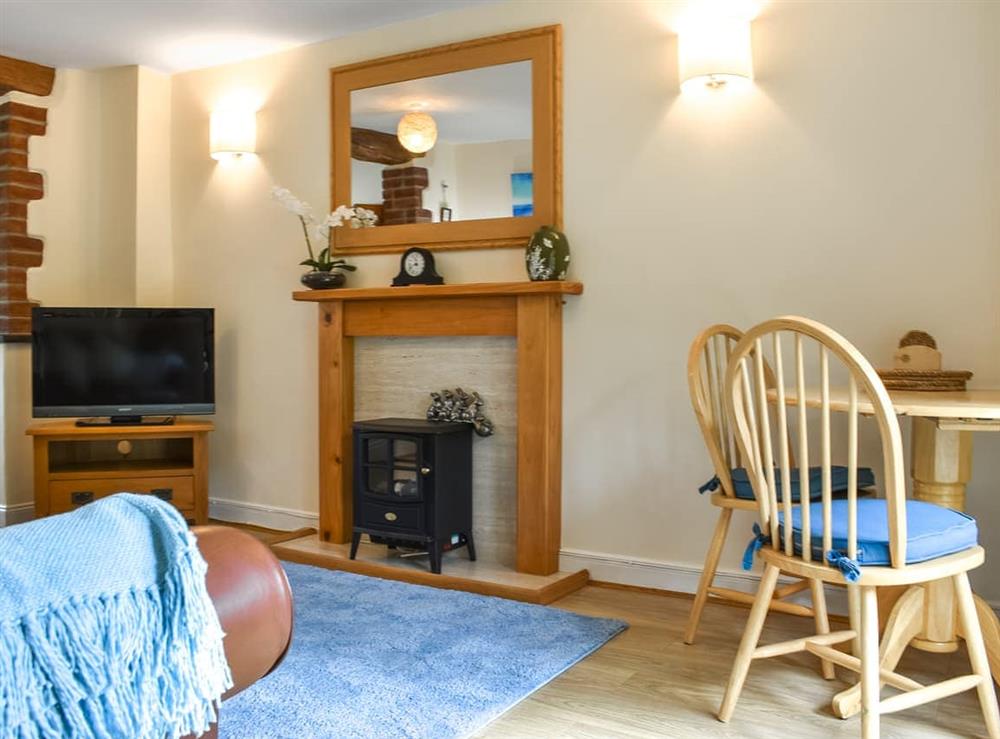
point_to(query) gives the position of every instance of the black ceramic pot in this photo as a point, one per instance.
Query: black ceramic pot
(323, 280)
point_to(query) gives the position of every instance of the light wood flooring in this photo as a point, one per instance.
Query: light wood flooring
(647, 683)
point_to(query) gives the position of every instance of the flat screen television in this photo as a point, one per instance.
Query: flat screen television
(124, 363)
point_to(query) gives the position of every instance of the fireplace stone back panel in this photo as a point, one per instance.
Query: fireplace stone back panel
(393, 378)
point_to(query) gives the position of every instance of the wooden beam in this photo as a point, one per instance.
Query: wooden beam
(368, 145)
(34, 79)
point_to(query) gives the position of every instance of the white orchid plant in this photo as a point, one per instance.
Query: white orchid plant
(323, 230)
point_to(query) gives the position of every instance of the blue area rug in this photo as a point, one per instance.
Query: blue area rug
(378, 658)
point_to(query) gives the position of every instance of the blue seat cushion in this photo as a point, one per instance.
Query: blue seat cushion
(931, 530)
(838, 479)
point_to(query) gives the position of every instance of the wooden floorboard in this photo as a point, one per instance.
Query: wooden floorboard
(647, 683)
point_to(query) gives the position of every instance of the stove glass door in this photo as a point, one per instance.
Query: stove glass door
(391, 467)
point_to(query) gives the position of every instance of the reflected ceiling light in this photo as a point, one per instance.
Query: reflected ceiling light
(232, 133)
(715, 53)
(417, 132)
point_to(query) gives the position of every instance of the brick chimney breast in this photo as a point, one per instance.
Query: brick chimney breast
(403, 196)
(18, 185)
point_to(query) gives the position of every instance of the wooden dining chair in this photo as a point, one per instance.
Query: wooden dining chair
(864, 544)
(708, 359)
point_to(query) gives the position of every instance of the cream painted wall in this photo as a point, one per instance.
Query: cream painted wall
(366, 182)
(88, 219)
(154, 256)
(15, 450)
(482, 176)
(441, 167)
(857, 183)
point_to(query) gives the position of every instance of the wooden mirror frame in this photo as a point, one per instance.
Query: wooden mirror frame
(543, 48)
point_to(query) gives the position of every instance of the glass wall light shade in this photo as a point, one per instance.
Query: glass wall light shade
(232, 133)
(715, 53)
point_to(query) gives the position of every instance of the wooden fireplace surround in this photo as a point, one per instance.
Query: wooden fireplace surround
(529, 311)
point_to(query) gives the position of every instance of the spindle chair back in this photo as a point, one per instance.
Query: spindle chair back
(759, 391)
(708, 360)
(821, 539)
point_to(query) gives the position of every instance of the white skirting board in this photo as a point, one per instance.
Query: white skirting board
(19, 513)
(651, 573)
(271, 517)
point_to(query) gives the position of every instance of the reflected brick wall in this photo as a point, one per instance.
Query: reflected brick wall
(403, 196)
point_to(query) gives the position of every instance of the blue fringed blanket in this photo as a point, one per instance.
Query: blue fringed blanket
(106, 626)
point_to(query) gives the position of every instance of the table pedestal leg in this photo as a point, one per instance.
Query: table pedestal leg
(941, 467)
(940, 619)
(941, 463)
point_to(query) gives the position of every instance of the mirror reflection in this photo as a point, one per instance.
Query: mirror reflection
(445, 148)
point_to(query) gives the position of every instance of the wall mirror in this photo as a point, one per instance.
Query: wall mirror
(455, 147)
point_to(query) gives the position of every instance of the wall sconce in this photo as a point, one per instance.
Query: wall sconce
(715, 53)
(232, 133)
(417, 132)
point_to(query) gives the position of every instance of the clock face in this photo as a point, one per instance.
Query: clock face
(414, 264)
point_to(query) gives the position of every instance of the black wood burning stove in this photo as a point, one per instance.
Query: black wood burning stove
(413, 485)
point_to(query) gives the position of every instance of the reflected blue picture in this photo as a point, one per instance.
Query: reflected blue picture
(521, 189)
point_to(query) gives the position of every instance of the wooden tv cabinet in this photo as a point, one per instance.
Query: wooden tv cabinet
(76, 465)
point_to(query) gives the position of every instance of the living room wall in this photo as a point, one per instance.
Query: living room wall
(857, 183)
(105, 220)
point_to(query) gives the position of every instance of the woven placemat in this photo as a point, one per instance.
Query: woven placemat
(925, 380)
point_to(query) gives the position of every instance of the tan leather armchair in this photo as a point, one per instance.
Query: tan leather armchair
(253, 600)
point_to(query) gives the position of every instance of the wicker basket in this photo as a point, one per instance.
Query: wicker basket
(924, 380)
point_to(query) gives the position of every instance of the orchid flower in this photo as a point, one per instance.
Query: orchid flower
(357, 217)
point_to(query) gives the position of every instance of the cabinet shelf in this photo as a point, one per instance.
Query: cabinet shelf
(124, 468)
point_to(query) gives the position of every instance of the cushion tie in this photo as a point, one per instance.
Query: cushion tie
(759, 540)
(712, 484)
(847, 566)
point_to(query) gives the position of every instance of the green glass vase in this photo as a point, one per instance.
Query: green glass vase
(547, 255)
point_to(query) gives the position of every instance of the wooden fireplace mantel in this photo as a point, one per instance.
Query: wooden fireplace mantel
(472, 289)
(529, 311)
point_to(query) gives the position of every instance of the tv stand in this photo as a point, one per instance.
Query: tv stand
(126, 421)
(75, 465)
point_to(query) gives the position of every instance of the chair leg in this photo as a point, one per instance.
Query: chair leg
(977, 653)
(870, 679)
(822, 621)
(751, 635)
(905, 622)
(708, 573)
(854, 616)
(989, 624)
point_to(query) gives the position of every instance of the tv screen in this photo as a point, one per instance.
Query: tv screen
(122, 361)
